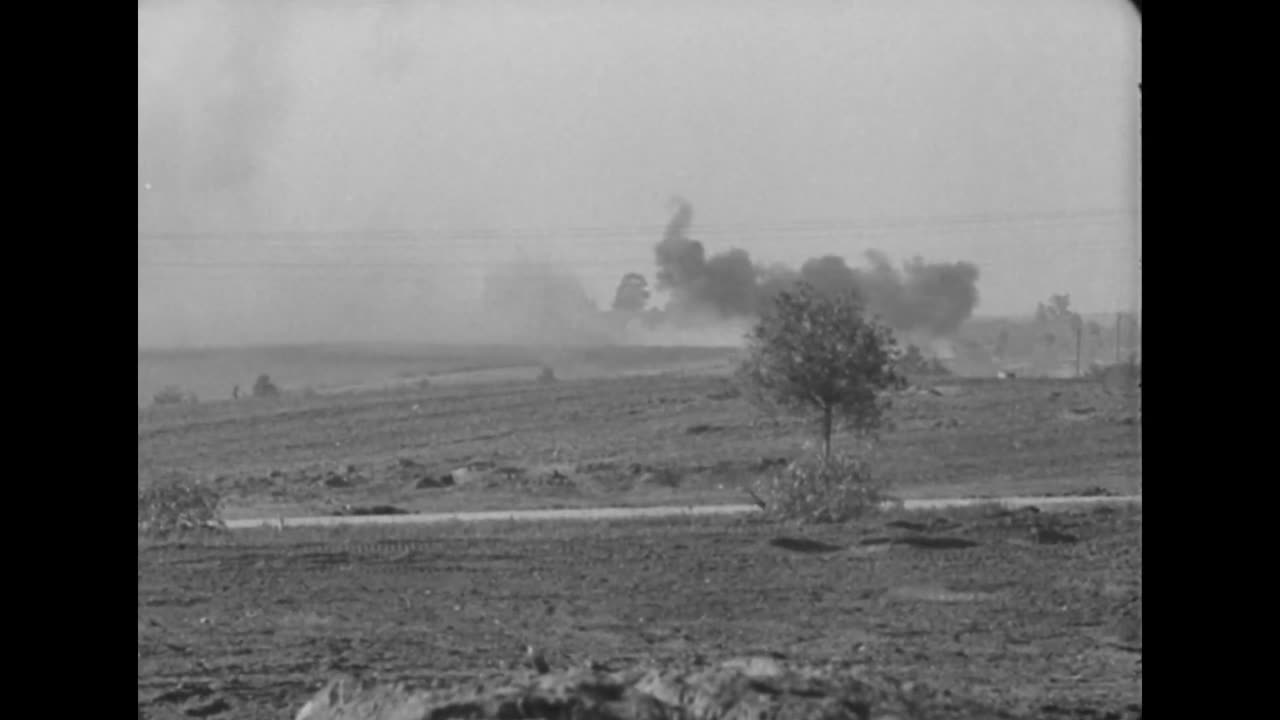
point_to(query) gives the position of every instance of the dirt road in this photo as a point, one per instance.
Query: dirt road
(646, 512)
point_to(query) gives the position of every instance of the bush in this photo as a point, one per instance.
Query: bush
(817, 490)
(176, 505)
(913, 361)
(1117, 377)
(168, 395)
(263, 387)
(547, 375)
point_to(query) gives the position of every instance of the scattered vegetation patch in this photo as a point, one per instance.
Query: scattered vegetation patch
(173, 395)
(930, 542)
(264, 388)
(815, 489)
(726, 391)
(359, 510)
(804, 545)
(175, 504)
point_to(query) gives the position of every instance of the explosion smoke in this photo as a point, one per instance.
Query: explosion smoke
(919, 297)
(536, 303)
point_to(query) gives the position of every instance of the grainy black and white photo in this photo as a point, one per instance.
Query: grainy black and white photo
(543, 359)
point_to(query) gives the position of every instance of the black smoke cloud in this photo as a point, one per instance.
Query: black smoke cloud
(919, 297)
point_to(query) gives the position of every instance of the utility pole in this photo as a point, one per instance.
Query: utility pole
(1117, 338)
(1079, 323)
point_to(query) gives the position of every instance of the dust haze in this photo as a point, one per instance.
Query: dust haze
(505, 172)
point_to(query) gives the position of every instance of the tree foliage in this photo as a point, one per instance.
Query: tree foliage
(1058, 310)
(632, 293)
(914, 362)
(818, 353)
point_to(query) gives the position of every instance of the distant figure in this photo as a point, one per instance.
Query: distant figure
(235, 393)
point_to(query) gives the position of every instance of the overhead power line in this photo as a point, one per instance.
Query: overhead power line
(629, 234)
(409, 265)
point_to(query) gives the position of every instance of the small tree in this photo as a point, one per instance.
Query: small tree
(632, 293)
(819, 353)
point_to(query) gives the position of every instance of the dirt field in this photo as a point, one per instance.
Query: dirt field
(967, 601)
(212, 373)
(667, 439)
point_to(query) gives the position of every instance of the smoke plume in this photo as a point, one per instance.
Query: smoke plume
(920, 297)
(535, 303)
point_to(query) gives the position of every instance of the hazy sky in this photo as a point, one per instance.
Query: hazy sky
(271, 134)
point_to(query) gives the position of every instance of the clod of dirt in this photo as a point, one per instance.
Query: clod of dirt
(427, 482)
(934, 524)
(702, 428)
(556, 477)
(931, 593)
(768, 463)
(756, 666)
(537, 660)
(182, 694)
(599, 466)
(727, 393)
(1128, 629)
(1080, 413)
(350, 510)
(907, 525)
(929, 542)
(408, 471)
(662, 477)
(462, 476)
(802, 545)
(1051, 536)
(1095, 491)
(756, 688)
(216, 707)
